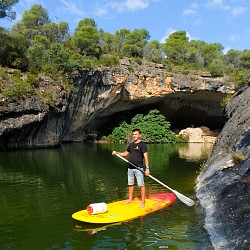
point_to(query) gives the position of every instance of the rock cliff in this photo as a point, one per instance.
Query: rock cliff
(101, 95)
(223, 188)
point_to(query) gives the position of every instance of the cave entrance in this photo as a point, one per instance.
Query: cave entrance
(181, 118)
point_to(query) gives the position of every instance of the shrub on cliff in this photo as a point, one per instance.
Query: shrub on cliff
(154, 128)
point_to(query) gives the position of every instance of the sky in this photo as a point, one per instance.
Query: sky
(213, 21)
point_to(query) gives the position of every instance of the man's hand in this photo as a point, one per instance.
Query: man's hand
(147, 172)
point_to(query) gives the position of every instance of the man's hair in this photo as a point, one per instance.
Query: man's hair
(137, 129)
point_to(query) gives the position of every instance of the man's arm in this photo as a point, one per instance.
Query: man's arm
(125, 153)
(146, 160)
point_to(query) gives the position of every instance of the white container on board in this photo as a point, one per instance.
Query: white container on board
(97, 208)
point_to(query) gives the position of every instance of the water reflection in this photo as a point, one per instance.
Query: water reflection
(195, 151)
(41, 189)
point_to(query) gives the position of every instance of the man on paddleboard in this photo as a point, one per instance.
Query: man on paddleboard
(138, 152)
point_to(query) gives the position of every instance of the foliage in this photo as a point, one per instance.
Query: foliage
(154, 128)
(37, 44)
(152, 51)
(32, 22)
(86, 38)
(134, 43)
(225, 100)
(13, 50)
(5, 9)
(241, 77)
(14, 87)
(216, 68)
(176, 47)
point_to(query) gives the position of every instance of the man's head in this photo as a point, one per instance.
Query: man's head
(137, 129)
(136, 135)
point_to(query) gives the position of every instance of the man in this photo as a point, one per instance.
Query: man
(137, 151)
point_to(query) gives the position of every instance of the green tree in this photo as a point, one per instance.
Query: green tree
(32, 22)
(107, 41)
(244, 61)
(135, 42)
(122, 133)
(55, 32)
(216, 68)
(5, 9)
(13, 50)
(211, 52)
(35, 57)
(56, 58)
(119, 39)
(153, 51)
(176, 47)
(86, 38)
(195, 53)
(232, 58)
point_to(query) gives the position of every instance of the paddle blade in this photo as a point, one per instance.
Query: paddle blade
(184, 198)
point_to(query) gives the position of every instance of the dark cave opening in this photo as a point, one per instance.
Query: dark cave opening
(179, 119)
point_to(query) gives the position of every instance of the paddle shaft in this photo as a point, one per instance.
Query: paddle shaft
(152, 177)
(182, 197)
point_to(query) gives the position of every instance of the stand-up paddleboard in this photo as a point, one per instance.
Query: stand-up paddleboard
(118, 211)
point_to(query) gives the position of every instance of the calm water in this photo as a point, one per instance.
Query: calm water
(41, 189)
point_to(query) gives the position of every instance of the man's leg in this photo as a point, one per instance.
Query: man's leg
(130, 192)
(130, 186)
(143, 196)
(140, 181)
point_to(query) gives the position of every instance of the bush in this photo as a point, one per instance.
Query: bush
(154, 128)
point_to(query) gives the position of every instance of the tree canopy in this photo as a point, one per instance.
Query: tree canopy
(35, 44)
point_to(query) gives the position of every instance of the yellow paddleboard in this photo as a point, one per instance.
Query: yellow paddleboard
(118, 211)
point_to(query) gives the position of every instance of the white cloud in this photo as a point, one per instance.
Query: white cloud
(136, 4)
(72, 8)
(131, 5)
(238, 11)
(220, 5)
(234, 38)
(217, 4)
(101, 11)
(191, 11)
(167, 34)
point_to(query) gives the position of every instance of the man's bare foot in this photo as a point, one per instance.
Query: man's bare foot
(142, 205)
(127, 201)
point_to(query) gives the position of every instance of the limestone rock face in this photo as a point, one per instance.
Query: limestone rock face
(100, 95)
(103, 94)
(223, 188)
(34, 121)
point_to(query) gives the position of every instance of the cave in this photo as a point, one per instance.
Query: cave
(188, 110)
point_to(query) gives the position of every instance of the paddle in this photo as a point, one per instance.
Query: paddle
(181, 197)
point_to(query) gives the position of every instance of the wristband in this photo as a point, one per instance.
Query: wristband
(147, 167)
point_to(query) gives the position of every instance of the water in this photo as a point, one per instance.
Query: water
(41, 189)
